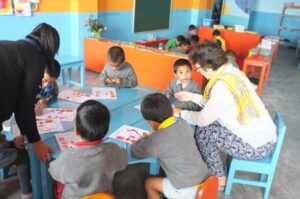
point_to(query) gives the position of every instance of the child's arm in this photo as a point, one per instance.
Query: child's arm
(104, 78)
(169, 92)
(144, 147)
(57, 169)
(131, 80)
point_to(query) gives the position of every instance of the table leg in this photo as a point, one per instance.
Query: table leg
(69, 76)
(154, 168)
(82, 75)
(35, 173)
(47, 183)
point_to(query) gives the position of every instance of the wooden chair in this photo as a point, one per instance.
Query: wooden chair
(100, 195)
(209, 188)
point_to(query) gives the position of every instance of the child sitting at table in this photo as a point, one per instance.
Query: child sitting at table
(90, 165)
(173, 144)
(183, 81)
(192, 31)
(231, 56)
(14, 152)
(173, 43)
(194, 41)
(48, 90)
(217, 37)
(117, 71)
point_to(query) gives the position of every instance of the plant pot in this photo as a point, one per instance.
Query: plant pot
(96, 34)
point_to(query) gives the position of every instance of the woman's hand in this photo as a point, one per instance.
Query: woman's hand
(184, 96)
(19, 141)
(176, 111)
(42, 150)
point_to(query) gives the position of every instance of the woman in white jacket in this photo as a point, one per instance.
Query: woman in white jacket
(233, 118)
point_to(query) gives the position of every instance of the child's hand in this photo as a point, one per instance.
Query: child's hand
(176, 111)
(184, 96)
(117, 80)
(2, 138)
(109, 80)
(38, 111)
(42, 103)
(19, 141)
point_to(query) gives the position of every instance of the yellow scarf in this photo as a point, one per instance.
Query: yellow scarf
(247, 107)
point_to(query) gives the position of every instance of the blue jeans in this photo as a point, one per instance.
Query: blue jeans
(23, 169)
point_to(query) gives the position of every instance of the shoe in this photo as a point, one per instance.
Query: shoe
(27, 196)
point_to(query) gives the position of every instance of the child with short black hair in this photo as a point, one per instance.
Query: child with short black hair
(173, 43)
(183, 81)
(117, 71)
(192, 31)
(173, 144)
(217, 37)
(90, 165)
(48, 90)
(194, 40)
(231, 56)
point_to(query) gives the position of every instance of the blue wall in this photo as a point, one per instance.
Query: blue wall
(120, 25)
(14, 28)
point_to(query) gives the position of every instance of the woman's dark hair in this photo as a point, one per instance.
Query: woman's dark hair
(116, 54)
(92, 120)
(208, 55)
(182, 62)
(48, 38)
(53, 69)
(156, 107)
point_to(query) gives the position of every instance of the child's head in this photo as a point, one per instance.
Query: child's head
(192, 29)
(216, 33)
(116, 57)
(183, 70)
(51, 73)
(230, 54)
(179, 39)
(156, 108)
(92, 120)
(185, 45)
(194, 40)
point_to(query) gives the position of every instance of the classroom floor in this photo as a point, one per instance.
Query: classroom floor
(280, 93)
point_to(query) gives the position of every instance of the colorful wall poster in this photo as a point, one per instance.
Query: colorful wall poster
(5, 7)
(22, 7)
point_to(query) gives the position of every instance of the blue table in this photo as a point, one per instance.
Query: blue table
(68, 62)
(122, 112)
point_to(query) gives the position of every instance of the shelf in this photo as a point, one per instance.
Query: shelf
(289, 29)
(296, 16)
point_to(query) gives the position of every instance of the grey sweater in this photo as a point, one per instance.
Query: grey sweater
(177, 153)
(126, 73)
(88, 169)
(192, 87)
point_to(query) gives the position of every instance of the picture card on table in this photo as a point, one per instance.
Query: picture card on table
(129, 134)
(104, 93)
(65, 140)
(61, 114)
(74, 96)
(44, 126)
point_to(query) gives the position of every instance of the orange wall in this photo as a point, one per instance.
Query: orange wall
(112, 5)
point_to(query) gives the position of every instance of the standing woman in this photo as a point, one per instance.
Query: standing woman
(22, 65)
(233, 119)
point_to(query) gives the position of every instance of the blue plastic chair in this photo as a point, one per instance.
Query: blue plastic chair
(266, 167)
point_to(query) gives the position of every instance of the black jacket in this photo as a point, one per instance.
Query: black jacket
(21, 72)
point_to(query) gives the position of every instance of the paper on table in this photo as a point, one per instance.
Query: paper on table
(104, 93)
(129, 134)
(61, 114)
(65, 140)
(74, 96)
(44, 126)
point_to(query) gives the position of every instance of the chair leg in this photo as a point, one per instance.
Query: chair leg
(229, 180)
(262, 177)
(4, 172)
(268, 187)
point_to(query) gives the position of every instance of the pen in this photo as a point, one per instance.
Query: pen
(107, 76)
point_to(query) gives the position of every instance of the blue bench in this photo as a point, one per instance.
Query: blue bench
(69, 62)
